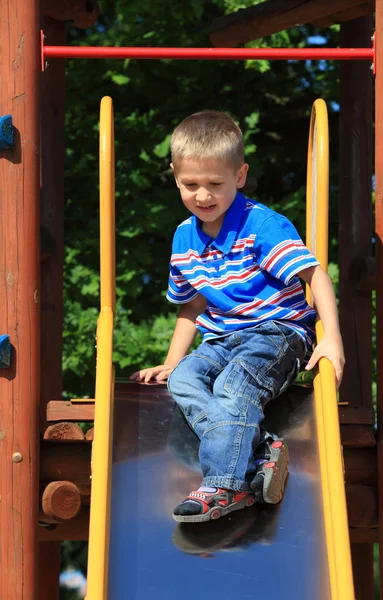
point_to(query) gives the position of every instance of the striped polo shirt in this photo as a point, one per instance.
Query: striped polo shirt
(248, 273)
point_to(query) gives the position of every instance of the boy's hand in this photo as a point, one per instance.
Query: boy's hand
(331, 348)
(159, 373)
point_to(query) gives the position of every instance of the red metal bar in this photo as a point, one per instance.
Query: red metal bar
(208, 53)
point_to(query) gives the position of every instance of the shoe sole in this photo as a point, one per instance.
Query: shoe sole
(275, 473)
(216, 512)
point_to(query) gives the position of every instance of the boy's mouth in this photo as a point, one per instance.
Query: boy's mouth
(209, 208)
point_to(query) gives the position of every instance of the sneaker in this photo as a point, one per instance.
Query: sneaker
(207, 504)
(271, 473)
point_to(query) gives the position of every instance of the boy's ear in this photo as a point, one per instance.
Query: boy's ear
(174, 173)
(242, 175)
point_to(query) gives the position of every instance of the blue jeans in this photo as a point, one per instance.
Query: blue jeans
(222, 388)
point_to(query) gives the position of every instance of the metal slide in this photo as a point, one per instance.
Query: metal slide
(273, 552)
(145, 459)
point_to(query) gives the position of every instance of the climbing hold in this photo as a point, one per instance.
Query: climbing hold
(6, 132)
(5, 351)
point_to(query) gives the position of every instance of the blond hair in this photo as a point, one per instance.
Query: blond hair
(208, 135)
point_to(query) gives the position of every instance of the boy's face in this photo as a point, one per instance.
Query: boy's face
(208, 189)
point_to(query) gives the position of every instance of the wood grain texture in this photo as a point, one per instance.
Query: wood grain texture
(355, 213)
(379, 254)
(272, 16)
(61, 501)
(81, 13)
(20, 298)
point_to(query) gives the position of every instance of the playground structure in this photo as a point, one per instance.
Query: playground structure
(33, 378)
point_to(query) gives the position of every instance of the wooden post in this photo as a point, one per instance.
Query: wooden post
(379, 258)
(52, 246)
(362, 555)
(20, 68)
(355, 244)
(355, 213)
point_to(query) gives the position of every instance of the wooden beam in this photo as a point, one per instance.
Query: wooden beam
(367, 8)
(272, 16)
(61, 501)
(362, 505)
(49, 571)
(363, 570)
(359, 535)
(355, 213)
(357, 436)
(362, 274)
(20, 299)
(356, 415)
(68, 432)
(52, 247)
(379, 255)
(64, 410)
(360, 466)
(81, 13)
(65, 462)
(75, 530)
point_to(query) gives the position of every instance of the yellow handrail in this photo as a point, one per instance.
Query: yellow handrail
(326, 409)
(99, 529)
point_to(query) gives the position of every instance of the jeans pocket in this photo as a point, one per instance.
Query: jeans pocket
(279, 376)
(242, 387)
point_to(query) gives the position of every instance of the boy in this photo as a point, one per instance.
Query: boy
(235, 270)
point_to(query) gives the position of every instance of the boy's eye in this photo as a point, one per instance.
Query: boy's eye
(190, 185)
(215, 183)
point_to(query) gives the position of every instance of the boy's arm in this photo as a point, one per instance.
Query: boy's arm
(331, 345)
(183, 337)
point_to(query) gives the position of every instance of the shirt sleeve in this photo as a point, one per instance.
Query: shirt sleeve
(280, 251)
(179, 289)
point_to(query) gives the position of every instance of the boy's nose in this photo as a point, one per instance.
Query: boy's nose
(203, 195)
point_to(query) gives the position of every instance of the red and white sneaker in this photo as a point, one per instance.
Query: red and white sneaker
(207, 504)
(271, 474)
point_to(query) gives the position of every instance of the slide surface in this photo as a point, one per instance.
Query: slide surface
(274, 552)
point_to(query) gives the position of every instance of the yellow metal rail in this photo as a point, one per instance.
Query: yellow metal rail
(330, 450)
(98, 553)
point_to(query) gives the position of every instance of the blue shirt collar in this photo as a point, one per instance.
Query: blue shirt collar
(228, 232)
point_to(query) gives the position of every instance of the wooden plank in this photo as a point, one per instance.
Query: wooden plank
(77, 12)
(362, 505)
(356, 415)
(272, 16)
(49, 570)
(367, 8)
(75, 530)
(357, 436)
(379, 255)
(64, 410)
(52, 249)
(68, 461)
(359, 535)
(363, 570)
(20, 65)
(360, 466)
(355, 213)
(362, 274)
